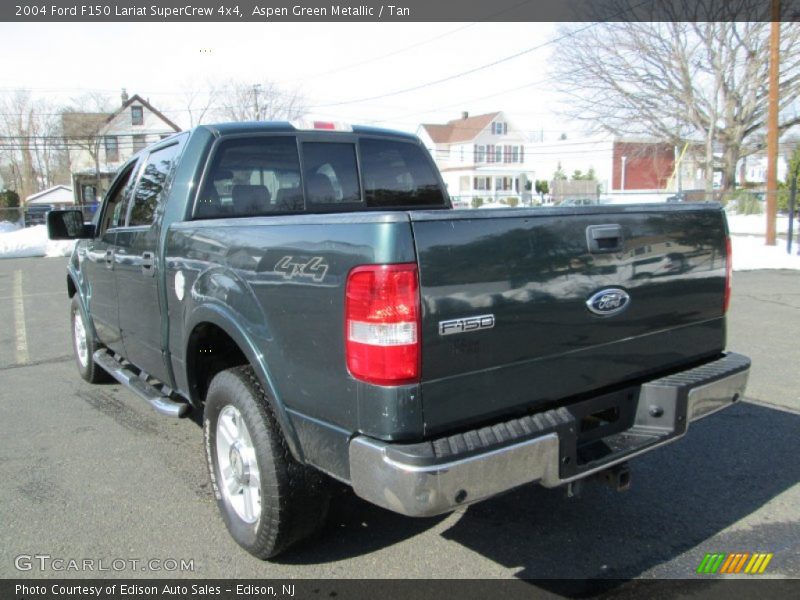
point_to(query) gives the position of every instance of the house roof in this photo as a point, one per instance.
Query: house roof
(47, 191)
(88, 124)
(148, 106)
(459, 130)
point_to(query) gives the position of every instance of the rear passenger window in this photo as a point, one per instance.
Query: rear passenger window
(154, 177)
(252, 176)
(331, 175)
(398, 175)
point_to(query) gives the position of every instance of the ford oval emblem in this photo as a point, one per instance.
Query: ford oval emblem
(608, 302)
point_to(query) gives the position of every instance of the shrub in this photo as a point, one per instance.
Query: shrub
(747, 203)
(512, 201)
(477, 202)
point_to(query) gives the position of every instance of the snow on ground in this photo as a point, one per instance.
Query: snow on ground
(750, 253)
(32, 241)
(756, 224)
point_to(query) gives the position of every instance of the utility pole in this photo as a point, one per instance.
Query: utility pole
(622, 175)
(255, 100)
(772, 123)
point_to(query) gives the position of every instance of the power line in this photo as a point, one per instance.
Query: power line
(384, 56)
(463, 73)
(481, 67)
(465, 102)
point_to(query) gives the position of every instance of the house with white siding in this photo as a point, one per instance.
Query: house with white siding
(481, 156)
(99, 143)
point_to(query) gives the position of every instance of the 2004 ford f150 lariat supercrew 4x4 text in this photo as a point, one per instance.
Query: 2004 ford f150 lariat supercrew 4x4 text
(315, 295)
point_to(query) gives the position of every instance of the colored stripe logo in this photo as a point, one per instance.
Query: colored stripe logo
(737, 562)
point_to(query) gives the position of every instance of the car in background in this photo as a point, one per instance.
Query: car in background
(36, 214)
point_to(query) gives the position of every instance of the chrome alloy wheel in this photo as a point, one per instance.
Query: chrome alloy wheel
(79, 334)
(238, 467)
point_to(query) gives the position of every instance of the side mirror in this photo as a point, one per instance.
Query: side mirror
(68, 225)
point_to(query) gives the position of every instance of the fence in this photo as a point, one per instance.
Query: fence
(11, 218)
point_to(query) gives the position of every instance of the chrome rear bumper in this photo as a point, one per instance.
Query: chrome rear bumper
(438, 476)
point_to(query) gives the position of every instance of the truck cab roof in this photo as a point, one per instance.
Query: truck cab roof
(245, 127)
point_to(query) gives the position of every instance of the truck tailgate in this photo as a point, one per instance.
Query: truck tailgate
(530, 273)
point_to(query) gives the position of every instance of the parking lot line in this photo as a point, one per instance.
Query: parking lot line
(19, 320)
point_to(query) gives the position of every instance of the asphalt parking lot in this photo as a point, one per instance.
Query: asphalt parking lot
(92, 472)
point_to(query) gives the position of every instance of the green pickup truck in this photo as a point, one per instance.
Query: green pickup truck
(313, 293)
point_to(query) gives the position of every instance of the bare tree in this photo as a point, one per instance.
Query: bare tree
(199, 101)
(30, 143)
(679, 81)
(82, 122)
(264, 101)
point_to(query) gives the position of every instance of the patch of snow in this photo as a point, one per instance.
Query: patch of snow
(6, 226)
(750, 253)
(755, 224)
(32, 241)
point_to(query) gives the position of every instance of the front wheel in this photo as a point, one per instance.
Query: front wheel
(84, 346)
(267, 499)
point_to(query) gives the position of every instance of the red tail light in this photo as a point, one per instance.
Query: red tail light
(382, 324)
(728, 273)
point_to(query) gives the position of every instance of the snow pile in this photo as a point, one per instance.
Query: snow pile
(750, 253)
(32, 241)
(6, 226)
(756, 224)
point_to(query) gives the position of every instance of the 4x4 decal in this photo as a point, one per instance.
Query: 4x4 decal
(314, 268)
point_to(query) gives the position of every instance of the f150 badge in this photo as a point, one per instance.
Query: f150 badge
(608, 302)
(466, 324)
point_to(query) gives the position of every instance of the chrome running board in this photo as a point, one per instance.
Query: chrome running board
(137, 384)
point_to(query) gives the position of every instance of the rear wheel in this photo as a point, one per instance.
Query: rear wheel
(268, 500)
(84, 345)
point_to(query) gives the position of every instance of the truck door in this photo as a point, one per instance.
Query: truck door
(139, 266)
(98, 262)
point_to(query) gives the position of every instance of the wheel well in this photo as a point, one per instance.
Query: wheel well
(210, 351)
(71, 289)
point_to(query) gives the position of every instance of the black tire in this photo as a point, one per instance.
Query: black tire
(86, 367)
(294, 498)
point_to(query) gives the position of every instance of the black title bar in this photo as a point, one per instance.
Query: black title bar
(398, 11)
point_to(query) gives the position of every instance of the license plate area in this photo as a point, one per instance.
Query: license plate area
(602, 416)
(608, 427)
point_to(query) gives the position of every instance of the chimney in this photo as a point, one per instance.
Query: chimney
(124, 96)
(464, 115)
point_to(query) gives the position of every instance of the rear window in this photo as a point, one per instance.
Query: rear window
(398, 174)
(331, 175)
(262, 176)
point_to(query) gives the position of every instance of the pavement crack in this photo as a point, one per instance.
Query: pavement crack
(44, 361)
(768, 301)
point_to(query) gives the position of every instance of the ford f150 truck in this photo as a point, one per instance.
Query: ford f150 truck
(313, 293)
